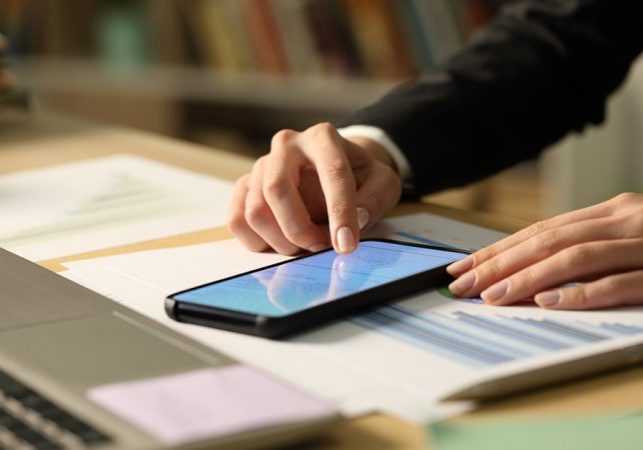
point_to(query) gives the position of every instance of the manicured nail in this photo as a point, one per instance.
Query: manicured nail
(317, 248)
(463, 284)
(460, 267)
(345, 240)
(363, 216)
(495, 292)
(547, 299)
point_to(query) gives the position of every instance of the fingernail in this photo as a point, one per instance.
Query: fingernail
(463, 284)
(547, 299)
(345, 240)
(363, 216)
(495, 292)
(317, 248)
(460, 267)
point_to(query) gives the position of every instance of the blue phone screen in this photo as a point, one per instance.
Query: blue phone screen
(303, 283)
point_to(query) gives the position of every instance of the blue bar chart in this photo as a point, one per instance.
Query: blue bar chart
(475, 339)
(483, 339)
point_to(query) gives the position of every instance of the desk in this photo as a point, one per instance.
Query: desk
(37, 142)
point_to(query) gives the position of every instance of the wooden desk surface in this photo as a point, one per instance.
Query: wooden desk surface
(38, 142)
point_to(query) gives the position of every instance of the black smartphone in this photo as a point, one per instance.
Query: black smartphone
(303, 292)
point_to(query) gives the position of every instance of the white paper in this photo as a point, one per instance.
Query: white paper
(400, 359)
(104, 202)
(207, 403)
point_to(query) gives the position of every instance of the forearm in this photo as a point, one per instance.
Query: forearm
(542, 69)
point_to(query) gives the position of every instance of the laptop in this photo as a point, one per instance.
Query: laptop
(80, 371)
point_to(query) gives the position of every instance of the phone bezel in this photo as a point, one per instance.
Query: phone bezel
(279, 326)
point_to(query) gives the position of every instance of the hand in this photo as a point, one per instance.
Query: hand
(311, 185)
(601, 247)
(7, 78)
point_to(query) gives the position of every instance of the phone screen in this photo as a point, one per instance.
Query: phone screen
(320, 278)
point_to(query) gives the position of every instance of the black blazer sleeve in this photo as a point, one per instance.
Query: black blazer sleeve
(543, 68)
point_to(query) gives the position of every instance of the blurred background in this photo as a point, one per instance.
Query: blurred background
(230, 73)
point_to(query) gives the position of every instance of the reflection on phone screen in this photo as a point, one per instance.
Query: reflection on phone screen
(306, 282)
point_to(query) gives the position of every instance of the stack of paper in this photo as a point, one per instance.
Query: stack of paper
(401, 358)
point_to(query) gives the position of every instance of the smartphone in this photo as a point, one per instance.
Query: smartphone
(304, 292)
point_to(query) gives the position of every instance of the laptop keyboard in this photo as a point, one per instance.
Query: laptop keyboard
(28, 420)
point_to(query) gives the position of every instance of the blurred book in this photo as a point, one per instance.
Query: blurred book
(381, 39)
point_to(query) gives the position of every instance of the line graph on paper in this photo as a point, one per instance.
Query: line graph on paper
(122, 197)
(104, 202)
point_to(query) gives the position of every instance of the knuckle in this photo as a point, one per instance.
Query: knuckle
(275, 187)
(256, 213)
(240, 188)
(338, 209)
(634, 224)
(524, 278)
(259, 164)
(242, 181)
(540, 227)
(627, 198)
(578, 255)
(235, 223)
(610, 286)
(581, 298)
(483, 255)
(490, 269)
(627, 201)
(298, 235)
(324, 128)
(282, 138)
(548, 241)
(336, 170)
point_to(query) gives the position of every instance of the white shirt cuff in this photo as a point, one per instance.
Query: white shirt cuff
(378, 135)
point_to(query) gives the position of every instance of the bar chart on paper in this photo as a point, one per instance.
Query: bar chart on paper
(486, 340)
(474, 339)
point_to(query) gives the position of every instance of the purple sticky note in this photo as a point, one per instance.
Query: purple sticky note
(208, 403)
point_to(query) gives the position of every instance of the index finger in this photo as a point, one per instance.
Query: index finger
(284, 198)
(338, 184)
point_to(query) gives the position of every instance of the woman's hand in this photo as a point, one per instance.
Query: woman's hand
(599, 249)
(311, 185)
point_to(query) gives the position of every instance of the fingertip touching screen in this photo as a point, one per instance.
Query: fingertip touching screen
(303, 283)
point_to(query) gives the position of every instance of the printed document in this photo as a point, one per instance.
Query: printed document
(401, 358)
(104, 202)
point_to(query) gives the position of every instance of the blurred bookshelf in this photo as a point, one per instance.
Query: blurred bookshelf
(308, 59)
(230, 73)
